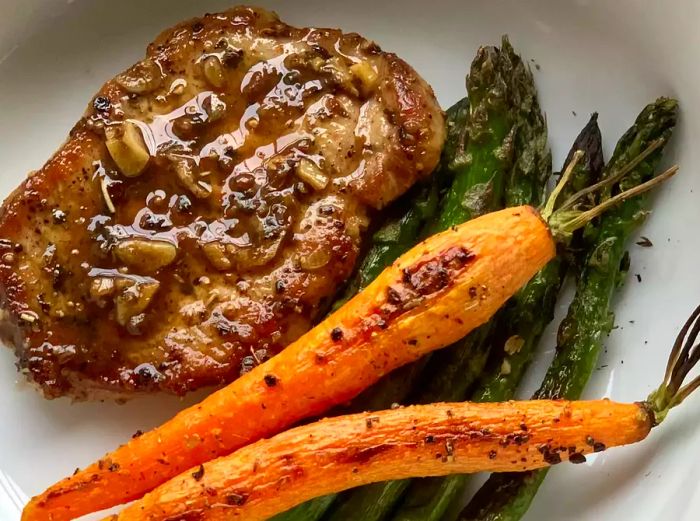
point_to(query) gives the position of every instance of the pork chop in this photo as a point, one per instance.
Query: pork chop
(207, 203)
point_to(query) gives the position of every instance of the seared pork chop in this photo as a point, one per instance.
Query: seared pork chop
(209, 200)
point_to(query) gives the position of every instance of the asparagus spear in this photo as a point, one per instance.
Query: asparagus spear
(532, 308)
(397, 234)
(454, 370)
(524, 320)
(506, 497)
(503, 97)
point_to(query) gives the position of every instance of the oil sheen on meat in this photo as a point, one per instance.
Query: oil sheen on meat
(211, 198)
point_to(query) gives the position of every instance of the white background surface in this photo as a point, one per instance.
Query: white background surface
(612, 57)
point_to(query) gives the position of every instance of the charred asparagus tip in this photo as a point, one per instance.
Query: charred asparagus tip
(566, 176)
(685, 354)
(564, 222)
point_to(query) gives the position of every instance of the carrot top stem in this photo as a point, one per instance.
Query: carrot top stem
(575, 220)
(548, 209)
(563, 222)
(684, 356)
(571, 215)
(610, 180)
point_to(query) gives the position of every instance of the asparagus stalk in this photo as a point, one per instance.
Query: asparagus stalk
(524, 320)
(454, 370)
(505, 123)
(398, 233)
(506, 497)
(488, 152)
(532, 309)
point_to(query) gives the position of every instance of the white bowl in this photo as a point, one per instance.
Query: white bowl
(611, 57)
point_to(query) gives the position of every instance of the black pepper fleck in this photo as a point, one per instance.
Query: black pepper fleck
(644, 242)
(101, 103)
(336, 334)
(236, 499)
(549, 456)
(577, 458)
(199, 473)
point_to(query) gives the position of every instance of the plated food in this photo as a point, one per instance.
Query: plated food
(459, 286)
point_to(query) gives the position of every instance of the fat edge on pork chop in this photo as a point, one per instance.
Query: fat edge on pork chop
(209, 199)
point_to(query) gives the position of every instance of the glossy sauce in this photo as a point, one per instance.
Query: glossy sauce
(224, 202)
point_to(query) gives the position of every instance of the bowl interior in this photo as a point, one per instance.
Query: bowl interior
(610, 57)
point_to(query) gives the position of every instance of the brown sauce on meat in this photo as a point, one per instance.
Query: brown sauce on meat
(222, 197)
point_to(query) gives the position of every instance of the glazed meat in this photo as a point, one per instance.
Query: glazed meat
(208, 202)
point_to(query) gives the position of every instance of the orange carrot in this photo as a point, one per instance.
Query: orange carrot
(271, 476)
(430, 297)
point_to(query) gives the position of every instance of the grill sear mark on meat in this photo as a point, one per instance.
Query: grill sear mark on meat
(209, 200)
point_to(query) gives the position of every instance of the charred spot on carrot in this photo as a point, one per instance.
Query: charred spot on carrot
(393, 296)
(73, 486)
(428, 277)
(364, 454)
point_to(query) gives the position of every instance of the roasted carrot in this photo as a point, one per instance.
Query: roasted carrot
(335, 454)
(430, 297)
(271, 476)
